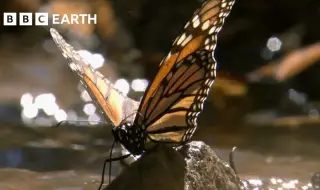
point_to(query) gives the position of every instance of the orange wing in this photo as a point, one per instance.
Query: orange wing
(112, 103)
(174, 99)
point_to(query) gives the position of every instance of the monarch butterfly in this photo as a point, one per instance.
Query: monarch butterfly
(172, 102)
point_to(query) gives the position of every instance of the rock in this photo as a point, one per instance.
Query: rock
(194, 166)
(315, 180)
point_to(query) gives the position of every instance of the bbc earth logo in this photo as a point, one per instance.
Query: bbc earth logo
(43, 19)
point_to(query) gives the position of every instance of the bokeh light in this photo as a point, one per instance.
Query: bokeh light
(51, 108)
(89, 109)
(86, 55)
(274, 44)
(297, 97)
(72, 115)
(42, 100)
(122, 85)
(26, 99)
(139, 85)
(60, 115)
(30, 111)
(94, 119)
(85, 96)
(95, 60)
(47, 102)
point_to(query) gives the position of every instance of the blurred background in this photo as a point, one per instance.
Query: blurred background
(265, 100)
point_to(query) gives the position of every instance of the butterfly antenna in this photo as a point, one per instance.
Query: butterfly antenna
(130, 116)
(139, 114)
(231, 159)
(65, 121)
(58, 124)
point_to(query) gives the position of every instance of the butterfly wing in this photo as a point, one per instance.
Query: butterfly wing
(113, 105)
(174, 99)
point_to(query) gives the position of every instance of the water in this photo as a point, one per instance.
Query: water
(71, 158)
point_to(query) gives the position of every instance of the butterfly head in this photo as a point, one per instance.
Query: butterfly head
(131, 137)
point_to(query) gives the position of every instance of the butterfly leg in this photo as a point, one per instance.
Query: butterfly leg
(109, 160)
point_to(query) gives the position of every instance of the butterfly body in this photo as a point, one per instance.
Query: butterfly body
(132, 137)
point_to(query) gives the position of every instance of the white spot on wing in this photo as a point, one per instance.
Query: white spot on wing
(207, 41)
(186, 40)
(188, 23)
(212, 29)
(195, 18)
(182, 37)
(205, 25)
(196, 21)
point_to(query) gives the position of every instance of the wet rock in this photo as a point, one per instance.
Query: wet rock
(194, 166)
(315, 180)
